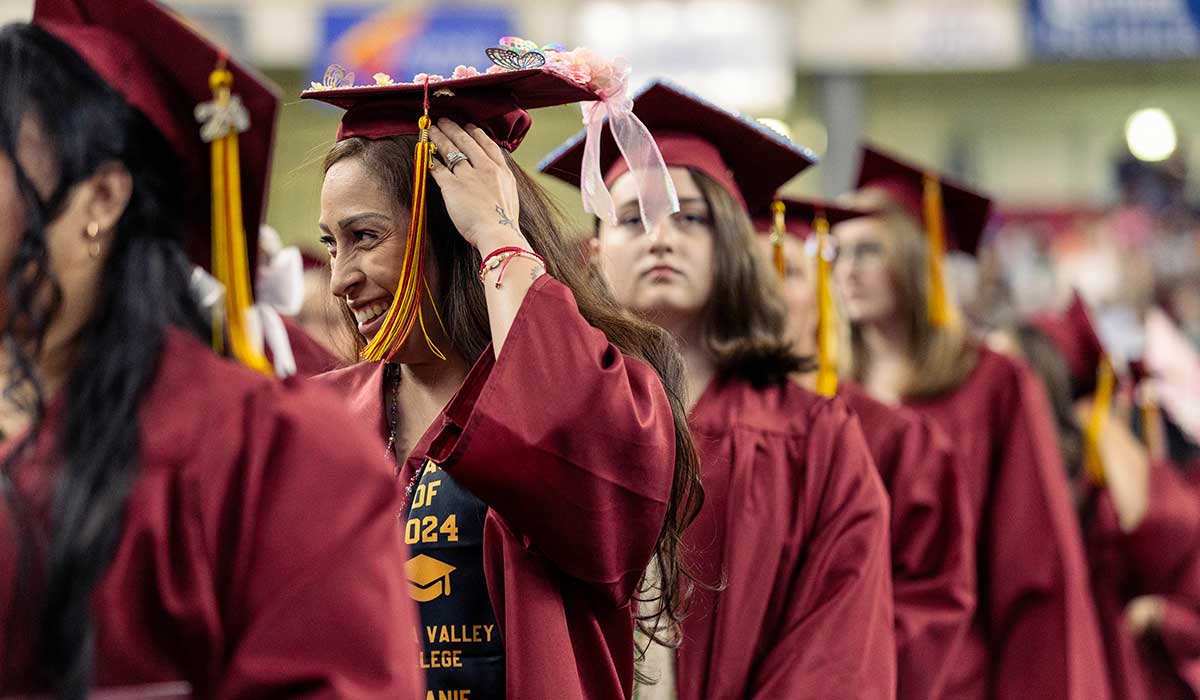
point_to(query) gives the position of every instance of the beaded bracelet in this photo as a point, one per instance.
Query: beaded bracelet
(483, 267)
(502, 257)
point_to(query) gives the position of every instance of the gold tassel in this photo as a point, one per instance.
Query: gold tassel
(827, 378)
(1153, 431)
(1105, 385)
(405, 311)
(941, 314)
(230, 265)
(778, 228)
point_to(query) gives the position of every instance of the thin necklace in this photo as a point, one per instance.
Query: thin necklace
(392, 377)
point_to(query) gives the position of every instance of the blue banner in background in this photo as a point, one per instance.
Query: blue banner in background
(1114, 29)
(369, 39)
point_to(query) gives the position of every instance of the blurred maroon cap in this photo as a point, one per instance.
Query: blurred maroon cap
(161, 66)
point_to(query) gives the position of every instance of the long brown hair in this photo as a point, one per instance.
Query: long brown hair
(745, 319)
(463, 310)
(941, 357)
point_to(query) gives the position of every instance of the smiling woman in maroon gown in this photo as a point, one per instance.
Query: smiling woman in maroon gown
(795, 522)
(172, 523)
(545, 463)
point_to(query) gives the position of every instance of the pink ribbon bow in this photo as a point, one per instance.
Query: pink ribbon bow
(656, 192)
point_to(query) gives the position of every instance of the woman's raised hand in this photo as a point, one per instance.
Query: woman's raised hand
(477, 185)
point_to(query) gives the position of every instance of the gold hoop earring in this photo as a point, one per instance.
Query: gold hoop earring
(93, 234)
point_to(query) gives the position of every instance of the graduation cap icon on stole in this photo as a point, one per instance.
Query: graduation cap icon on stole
(428, 578)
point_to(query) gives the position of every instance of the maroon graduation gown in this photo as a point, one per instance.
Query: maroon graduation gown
(260, 556)
(933, 563)
(1035, 632)
(1160, 557)
(571, 445)
(795, 522)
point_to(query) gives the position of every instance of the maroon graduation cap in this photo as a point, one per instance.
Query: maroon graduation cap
(748, 159)
(1074, 336)
(162, 67)
(496, 102)
(964, 211)
(216, 114)
(800, 215)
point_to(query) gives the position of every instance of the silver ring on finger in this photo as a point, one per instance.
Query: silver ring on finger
(455, 158)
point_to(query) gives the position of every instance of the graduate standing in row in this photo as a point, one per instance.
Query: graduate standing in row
(1141, 518)
(795, 520)
(172, 523)
(933, 565)
(538, 429)
(1034, 633)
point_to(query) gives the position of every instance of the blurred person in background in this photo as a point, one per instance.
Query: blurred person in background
(1140, 517)
(794, 525)
(173, 524)
(540, 430)
(1034, 632)
(1182, 301)
(933, 566)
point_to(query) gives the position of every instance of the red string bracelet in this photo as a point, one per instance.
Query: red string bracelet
(501, 257)
(498, 252)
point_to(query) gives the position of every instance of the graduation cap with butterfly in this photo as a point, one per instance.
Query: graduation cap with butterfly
(523, 76)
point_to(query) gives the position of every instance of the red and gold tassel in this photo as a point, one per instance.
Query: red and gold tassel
(405, 311)
(941, 313)
(229, 260)
(827, 377)
(778, 211)
(1105, 385)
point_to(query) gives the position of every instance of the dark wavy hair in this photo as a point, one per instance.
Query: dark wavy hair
(94, 441)
(464, 312)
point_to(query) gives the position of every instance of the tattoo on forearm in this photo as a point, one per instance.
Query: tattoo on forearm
(504, 220)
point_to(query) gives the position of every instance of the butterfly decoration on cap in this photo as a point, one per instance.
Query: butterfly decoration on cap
(515, 53)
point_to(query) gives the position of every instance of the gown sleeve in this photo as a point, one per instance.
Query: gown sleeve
(933, 562)
(1162, 557)
(309, 557)
(836, 638)
(1042, 624)
(1164, 549)
(569, 441)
